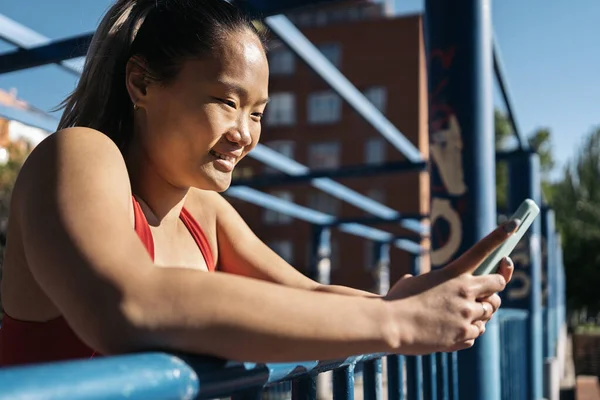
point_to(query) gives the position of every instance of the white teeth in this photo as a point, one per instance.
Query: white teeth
(221, 156)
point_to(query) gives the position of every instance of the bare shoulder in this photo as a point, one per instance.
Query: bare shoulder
(73, 155)
(74, 146)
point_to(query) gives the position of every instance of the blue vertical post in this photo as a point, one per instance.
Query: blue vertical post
(373, 373)
(453, 375)
(549, 281)
(430, 377)
(561, 288)
(461, 136)
(414, 364)
(443, 383)
(381, 266)
(525, 289)
(320, 271)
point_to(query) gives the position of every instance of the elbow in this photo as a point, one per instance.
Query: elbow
(115, 329)
(112, 334)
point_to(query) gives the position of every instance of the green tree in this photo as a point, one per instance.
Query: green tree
(539, 140)
(577, 206)
(502, 133)
(8, 175)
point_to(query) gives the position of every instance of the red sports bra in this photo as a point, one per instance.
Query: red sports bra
(23, 342)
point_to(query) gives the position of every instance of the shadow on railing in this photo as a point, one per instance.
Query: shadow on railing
(158, 375)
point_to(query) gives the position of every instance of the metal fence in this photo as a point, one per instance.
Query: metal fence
(506, 362)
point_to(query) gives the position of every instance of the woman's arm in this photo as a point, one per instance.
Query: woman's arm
(241, 252)
(74, 200)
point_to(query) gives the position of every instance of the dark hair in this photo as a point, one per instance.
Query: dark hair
(163, 33)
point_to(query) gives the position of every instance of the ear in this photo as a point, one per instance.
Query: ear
(136, 80)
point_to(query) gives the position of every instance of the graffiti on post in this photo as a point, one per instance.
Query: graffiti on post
(448, 189)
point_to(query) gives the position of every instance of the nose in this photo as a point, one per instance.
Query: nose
(240, 134)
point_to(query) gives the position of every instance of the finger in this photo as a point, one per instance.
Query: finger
(483, 311)
(470, 260)
(480, 326)
(506, 269)
(405, 276)
(486, 285)
(463, 345)
(494, 301)
(471, 332)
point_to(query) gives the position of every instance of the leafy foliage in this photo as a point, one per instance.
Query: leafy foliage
(17, 153)
(577, 205)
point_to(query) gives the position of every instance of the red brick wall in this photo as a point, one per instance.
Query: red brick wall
(388, 52)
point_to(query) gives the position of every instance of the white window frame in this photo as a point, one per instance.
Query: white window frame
(377, 95)
(324, 107)
(281, 110)
(375, 151)
(282, 61)
(324, 155)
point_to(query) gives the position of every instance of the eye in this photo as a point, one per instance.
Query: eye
(229, 103)
(258, 115)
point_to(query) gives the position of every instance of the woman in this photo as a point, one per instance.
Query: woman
(119, 239)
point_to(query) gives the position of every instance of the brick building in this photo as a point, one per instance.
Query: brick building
(383, 57)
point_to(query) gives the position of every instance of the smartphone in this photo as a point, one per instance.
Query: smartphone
(526, 213)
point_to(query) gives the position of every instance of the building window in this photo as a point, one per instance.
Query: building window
(271, 217)
(281, 109)
(324, 203)
(281, 61)
(333, 52)
(375, 151)
(285, 147)
(378, 96)
(324, 108)
(284, 248)
(324, 155)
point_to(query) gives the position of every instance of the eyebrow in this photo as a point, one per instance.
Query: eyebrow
(240, 91)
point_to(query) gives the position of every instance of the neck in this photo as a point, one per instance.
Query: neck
(161, 201)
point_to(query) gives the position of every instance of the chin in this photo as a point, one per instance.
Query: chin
(219, 183)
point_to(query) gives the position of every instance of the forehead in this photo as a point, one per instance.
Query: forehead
(239, 59)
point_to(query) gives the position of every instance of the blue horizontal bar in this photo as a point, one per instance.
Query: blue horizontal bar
(269, 7)
(281, 206)
(25, 38)
(503, 83)
(289, 166)
(299, 44)
(309, 215)
(152, 376)
(31, 118)
(351, 171)
(51, 53)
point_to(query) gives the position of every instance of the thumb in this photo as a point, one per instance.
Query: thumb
(470, 260)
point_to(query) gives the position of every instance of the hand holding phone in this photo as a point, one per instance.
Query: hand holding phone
(526, 213)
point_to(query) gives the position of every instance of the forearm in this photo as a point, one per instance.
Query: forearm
(344, 290)
(239, 318)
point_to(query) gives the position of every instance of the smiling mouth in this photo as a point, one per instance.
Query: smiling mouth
(224, 157)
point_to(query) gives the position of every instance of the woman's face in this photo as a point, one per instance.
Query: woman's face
(195, 129)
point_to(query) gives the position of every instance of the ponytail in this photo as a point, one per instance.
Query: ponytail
(162, 33)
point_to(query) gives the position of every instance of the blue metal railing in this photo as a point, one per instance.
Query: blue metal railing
(170, 376)
(158, 375)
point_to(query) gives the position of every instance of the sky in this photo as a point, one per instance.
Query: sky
(550, 50)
